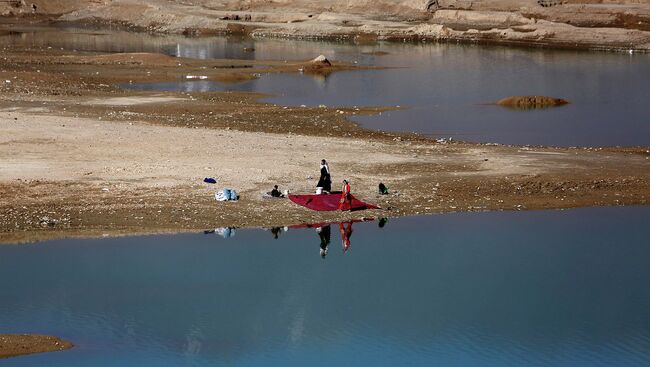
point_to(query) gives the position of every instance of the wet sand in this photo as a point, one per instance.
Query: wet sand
(84, 158)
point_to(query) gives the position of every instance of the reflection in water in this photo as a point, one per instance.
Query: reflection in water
(382, 222)
(320, 79)
(276, 231)
(201, 86)
(346, 232)
(324, 231)
(501, 289)
(225, 232)
(325, 234)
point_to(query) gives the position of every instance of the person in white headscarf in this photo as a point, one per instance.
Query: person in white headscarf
(325, 181)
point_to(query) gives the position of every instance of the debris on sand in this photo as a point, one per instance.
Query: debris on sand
(47, 221)
(525, 102)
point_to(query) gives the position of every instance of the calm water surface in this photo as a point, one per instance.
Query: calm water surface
(548, 288)
(445, 90)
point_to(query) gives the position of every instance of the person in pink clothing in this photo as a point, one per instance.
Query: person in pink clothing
(346, 233)
(346, 198)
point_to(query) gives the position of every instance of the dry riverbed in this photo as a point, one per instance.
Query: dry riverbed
(81, 157)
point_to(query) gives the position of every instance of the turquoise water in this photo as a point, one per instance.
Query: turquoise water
(545, 288)
(445, 90)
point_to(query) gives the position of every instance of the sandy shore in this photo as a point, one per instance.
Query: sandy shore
(82, 158)
(13, 345)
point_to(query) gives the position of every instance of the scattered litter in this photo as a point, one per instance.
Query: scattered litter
(201, 77)
(47, 221)
(210, 180)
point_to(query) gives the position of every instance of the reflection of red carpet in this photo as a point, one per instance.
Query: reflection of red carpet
(323, 224)
(329, 202)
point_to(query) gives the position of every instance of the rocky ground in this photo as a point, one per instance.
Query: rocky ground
(610, 25)
(81, 157)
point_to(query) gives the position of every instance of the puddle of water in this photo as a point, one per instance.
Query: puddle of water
(445, 88)
(548, 288)
(193, 86)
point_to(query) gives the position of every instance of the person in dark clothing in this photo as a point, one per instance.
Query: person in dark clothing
(383, 190)
(276, 193)
(382, 222)
(325, 234)
(325, 180)
(275, 231)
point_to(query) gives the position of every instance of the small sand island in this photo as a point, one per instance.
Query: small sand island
(13, 345)
(528, 102)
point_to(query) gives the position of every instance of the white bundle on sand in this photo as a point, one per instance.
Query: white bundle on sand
(226, 195)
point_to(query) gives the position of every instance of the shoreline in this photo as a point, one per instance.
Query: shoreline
(621, 27)
(80, 156)
(23, 239)
(440, 35)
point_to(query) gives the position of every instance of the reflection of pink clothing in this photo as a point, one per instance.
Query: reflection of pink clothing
(346, 233)
(345, 197)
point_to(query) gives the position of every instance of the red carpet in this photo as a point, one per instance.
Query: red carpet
(329, 202)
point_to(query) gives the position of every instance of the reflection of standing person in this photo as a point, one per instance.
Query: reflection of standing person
(325, 180)
(346, 198)
(382, 222)
(325, 234)
(276, 232)
(346, 233)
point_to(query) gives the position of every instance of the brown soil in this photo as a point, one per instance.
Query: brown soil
(12, 345)
(83, 158)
